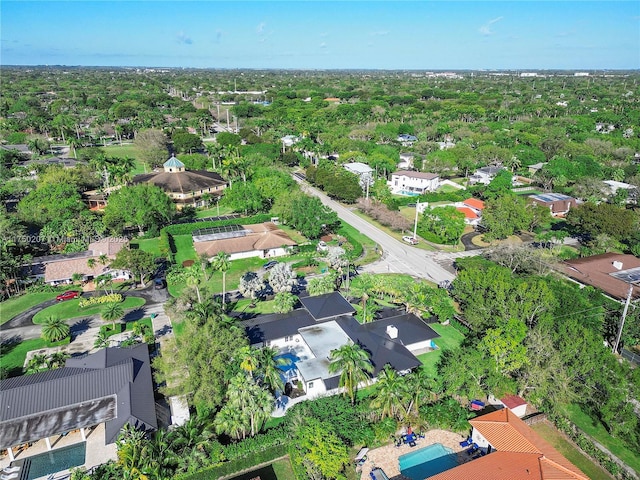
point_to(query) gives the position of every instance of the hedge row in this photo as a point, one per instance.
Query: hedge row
(165, 242)
(187, 228)
(238, 465)
(110, 298)
(357, 246)
(587, 445)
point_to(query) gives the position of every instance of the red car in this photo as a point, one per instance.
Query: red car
(68, 295)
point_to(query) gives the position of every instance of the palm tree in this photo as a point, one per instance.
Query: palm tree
(112, 312)
(133, 452)
(202, 311)
(193, 280)
(36, 362)
(269, 366)
(420, 386)
(54, 329)
(222, 264)
(102, 340)
(249, 359)
(390, 392)
(57, 359)
(354, 366)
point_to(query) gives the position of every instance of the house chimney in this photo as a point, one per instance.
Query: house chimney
(617, 265)
(392, 331)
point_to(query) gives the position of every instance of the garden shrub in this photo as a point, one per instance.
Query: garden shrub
(110, 298)
(446, 414)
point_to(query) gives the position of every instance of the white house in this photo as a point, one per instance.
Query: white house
(264, 240)
(364, 171)
(307, 336)
(484, 175)
(408, 183)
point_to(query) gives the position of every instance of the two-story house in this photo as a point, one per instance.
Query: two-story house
(408, 183)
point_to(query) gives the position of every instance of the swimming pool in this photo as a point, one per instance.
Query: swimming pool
(427, 461)
(54, 461)
(408, 193)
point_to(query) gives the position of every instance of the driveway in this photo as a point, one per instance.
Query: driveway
(21, 327)
(467, 241)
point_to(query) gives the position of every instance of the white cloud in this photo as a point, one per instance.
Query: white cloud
(184, 38)
(323, 45)
(260, 28)
(380, 33)
(486, 28)
(324, 34)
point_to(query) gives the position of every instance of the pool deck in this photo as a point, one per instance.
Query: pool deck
(97, 452)
(386, 457)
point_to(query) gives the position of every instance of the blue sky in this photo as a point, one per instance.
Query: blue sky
(324, 35)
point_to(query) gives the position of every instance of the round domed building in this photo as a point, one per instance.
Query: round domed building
(185, 187)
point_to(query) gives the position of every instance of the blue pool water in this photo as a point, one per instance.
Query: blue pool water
(427, 461)
(407, 193)
(55, 461)
(291, 358)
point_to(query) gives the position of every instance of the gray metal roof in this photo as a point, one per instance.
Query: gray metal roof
(272, 327)
(383, 350)
(113, 385)
(327, 306)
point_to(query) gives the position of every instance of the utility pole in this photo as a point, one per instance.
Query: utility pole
(624, 316)
(415, 224)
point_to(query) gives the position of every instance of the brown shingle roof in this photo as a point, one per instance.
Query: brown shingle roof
(263, 236)
(109, 246)
(182, 182)
(521, 453)
(595, 271)
(64, 269)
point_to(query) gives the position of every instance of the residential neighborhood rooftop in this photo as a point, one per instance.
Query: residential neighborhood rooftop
(412, 174)
(596, 270)
(327, 306)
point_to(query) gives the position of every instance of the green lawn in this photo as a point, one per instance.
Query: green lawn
(184, 248)
(150, 245)
(571, 453)
(449, 339)
(122, 151)
(13, 306)
(213, 212)
(69, 309)
(597, 431)
(12, 357)
(278, 470)
(262, 308)
(370, 254)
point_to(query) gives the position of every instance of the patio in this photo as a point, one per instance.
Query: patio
(386, 457)
(96, 450)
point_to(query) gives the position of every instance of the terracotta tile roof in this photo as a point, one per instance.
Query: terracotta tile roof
(474, 203)
(520, 453)
(264, 236)
(595, 271)
(468, 213)
(513, 401)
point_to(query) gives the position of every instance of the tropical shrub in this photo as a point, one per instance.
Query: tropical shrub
(110, 298)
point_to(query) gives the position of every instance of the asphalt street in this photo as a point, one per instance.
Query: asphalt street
(399, 257)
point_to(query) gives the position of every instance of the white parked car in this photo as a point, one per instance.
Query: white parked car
(410, 239)
(322, 246)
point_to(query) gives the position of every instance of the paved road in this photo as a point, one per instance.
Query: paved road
(22, 328)
(398, 257)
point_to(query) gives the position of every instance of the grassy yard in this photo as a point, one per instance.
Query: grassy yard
(122, 151)
(449, 339)
(69, 309)
(597, 431)
(13, 356)
(262, 308)
(150, 245)
(13, 306)
(184, 248)
(571, 453)
(213, 212)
